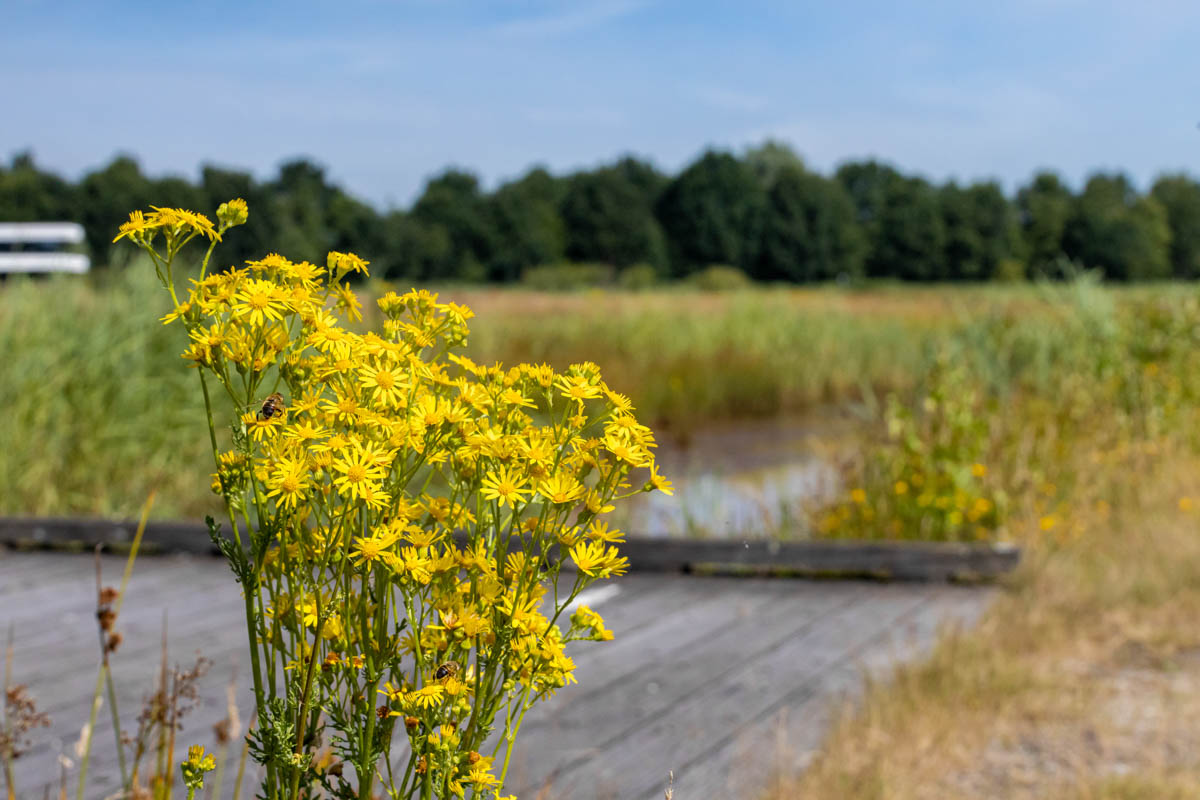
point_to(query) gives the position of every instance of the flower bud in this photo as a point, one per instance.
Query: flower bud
(235, 212)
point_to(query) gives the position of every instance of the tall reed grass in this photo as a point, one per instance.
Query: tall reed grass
(97, 412)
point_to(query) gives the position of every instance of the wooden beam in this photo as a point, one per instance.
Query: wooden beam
(882, 560)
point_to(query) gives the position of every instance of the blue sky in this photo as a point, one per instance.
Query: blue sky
(385, 94)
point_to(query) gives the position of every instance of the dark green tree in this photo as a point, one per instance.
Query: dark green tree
(298, 204)
(645, 176)
(106, 197)
(1043, 209)
(529, 228)
(257, 237)
(414, 250)
(911, 238)
(980, 230)
(869, 183)
(713, 213)
(771, 158)
(29, 194)
(460, 235)
(1115, 229)
(609, 219)
(354, 226)
(810, 232)
(1179, 195)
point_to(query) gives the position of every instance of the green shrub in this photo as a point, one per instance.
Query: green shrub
(719, 278)
(638, 277)
(567, 277)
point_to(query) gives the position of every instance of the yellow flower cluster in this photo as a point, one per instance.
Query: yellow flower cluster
(198, 763)
(173, 222)
(400, 502)
(925, 480)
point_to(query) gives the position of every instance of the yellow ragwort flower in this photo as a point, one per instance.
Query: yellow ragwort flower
(289, 482)
(502, 485)
(358, 471)
(561, 488)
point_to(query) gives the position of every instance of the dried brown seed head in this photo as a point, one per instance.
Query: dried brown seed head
(107, 618)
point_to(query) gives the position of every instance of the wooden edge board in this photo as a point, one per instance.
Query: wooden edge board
(880, 560)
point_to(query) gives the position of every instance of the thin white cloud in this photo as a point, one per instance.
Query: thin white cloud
(732, 100)
(573, 20)
(982, 103)
(969, 133)
(576, 116)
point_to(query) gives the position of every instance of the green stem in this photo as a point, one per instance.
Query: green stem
(87, 741)
(248, 593)
(366, 770)
(212, 429)
(241, 770)
(214, 793)
(511, 735)
(116, 720)
(308, 679)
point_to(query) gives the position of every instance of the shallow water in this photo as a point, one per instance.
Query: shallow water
(750, 480)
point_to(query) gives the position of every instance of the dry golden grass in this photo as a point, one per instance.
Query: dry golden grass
(1082, 681)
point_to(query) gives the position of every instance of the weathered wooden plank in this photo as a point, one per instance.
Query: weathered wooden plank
(160, 536)
(77, 590)
(69, 608)
(785, 736)
(633, 687)
(40, 768)
(66, 695)
(634, 763)
(726, 656)
(65, 685)
(926, 561)
(136, 670)
(22, 573)
(921, 561)
(666, 668)
(633, 602)
(690, 646)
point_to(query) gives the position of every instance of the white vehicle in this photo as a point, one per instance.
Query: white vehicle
(33, 247)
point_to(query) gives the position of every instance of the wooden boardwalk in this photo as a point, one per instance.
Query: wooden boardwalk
(719, 679)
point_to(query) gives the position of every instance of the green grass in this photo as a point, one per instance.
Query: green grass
(99, 409)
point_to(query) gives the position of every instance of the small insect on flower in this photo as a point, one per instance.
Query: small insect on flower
(445, 671)
(271, 406)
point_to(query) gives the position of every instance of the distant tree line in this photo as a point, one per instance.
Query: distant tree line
(763, 212)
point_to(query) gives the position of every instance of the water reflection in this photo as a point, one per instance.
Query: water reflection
(753, 480)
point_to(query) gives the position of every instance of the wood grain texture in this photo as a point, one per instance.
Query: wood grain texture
(707, 675)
